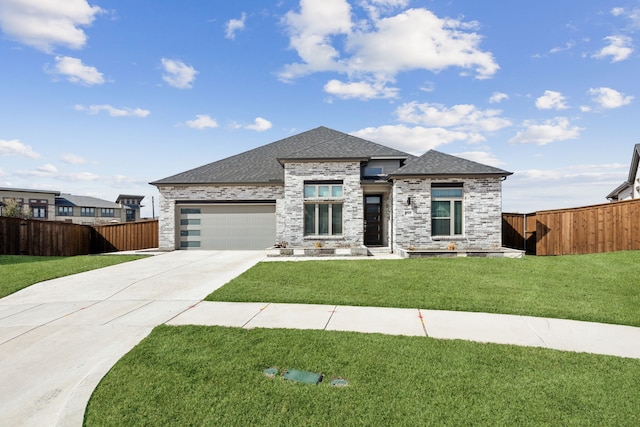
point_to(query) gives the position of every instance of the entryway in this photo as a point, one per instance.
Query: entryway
(373, 220)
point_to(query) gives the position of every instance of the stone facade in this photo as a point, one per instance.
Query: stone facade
(482, 208)
(406, 208)
(295, 175)
(211, 193)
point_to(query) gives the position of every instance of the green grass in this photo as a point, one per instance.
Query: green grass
(212, 376)
(600, 287)
(18, 272)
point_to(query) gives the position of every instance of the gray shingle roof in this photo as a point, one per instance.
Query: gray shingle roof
(262, 164)
(84, 201)
(435, 163)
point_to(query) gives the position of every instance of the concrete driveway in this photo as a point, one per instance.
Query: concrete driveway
(59, 338)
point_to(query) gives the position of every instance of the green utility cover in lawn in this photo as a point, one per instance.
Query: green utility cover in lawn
(303, 376)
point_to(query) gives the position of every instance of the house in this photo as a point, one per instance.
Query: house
(57, 206)
(630, 189)
(131, 205)
(40, 203)
(88, 210)
(327, 188)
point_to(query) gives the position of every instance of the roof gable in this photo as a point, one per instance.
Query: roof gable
(435, 163)
(263, 164)
(633, 171)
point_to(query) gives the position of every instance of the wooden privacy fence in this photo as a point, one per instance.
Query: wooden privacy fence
(50, 238)
(591, 229)
(43, 238)
(128, 236)
(519, 231)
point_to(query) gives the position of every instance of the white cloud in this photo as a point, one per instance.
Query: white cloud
(113, 111)
(609, 98)
(48, 169)
(359, 90)
(497, 97)
(574, 185)
(259, 125)
(557, 129)
(619, 48)
(415, 140)
(568, 46)
(76, 72)
(551, 100)
(632, 15)
(14, 147)
(178, 74)
(46, 24)
(202, 121)
(310, 33)
(459, 117)
(326, 39)
(235, 25)
(617, 11)
(73, 159)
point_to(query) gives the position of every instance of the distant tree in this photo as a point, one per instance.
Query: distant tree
(14, 209)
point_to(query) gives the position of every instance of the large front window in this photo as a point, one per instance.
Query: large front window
(323, 209)
(446, 211)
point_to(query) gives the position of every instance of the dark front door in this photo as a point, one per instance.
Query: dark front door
(373, 220)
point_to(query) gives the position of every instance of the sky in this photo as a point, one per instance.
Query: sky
(101, 97)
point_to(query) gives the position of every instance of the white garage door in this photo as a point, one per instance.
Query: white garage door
(226, 227)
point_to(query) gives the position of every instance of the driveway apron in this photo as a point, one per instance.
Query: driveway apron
(60, 337)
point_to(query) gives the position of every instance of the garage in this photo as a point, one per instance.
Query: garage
(226, 226)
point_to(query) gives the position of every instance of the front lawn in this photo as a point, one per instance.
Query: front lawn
(213, 376)
(17, 271)
(599, 287)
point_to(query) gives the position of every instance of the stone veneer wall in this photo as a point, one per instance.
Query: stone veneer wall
(211, 193)
(482, 205)
(295, 174)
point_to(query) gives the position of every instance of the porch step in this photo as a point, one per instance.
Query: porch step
(379, 249)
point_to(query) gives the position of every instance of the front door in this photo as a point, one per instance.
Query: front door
(373, 220)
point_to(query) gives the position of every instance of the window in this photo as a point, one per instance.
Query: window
(107, 212)
(446, 210)
(190, 210)
(372, 171)
(131, 215)
(190, 221)
(65, 210)
(38, 208)
(185, 233)
(38, 212)
(87, 211)
(191, 244)
(323, 209)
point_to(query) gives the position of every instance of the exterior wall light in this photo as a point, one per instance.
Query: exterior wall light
(408, 200)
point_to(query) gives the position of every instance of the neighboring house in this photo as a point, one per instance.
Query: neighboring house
(41, 203)
(56, 206)
(630, 189)
(88, 210)
(330, 188)
(132, 205)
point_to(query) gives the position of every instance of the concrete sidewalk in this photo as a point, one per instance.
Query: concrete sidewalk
(558, 334)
